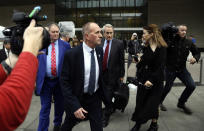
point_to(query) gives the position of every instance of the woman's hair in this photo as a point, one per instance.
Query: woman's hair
(157, 36)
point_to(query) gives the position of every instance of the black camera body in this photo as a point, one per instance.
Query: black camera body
(169, 32)
(22, 21)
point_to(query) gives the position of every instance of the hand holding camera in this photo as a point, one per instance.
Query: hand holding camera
(33, 37)
(22, 22)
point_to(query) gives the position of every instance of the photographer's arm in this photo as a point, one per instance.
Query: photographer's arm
(2, 74)
(16, 91)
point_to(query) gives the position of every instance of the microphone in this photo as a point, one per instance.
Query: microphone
(35, 11)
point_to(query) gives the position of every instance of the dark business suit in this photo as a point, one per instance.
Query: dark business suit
(46, 87)
(115, 68)
(3, 55)
(72, 83)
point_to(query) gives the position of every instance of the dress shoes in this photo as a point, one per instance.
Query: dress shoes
(162, 107)
(153, 128)
(185, 109)
(136, 127)
(106, 115)
(105, 121)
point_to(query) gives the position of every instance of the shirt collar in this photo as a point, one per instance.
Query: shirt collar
(109, 41)
(87, 48)
(55, 42)
(6, 50)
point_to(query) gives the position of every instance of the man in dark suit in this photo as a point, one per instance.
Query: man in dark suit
(81, 80)
(4, 53)
(113, 67)
(47, 84)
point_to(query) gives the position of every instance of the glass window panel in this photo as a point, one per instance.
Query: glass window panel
(95, 3)
(114, 4)
(85, 4)
(102, 3)
(106, 3)
(132, 3)
(127, 3)
(122, 14)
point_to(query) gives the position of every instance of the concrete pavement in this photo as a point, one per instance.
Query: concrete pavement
(172, 120)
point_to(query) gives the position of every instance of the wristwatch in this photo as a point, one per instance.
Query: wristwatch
(6, 66)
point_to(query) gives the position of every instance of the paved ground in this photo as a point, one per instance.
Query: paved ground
(172, 120)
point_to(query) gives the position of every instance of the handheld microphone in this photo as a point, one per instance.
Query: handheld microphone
(35, 11)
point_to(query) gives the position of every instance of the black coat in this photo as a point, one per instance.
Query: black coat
(134, 47)
(116, 60)
(151, 66)
(177, 53)
(3, 55)
(72, 77)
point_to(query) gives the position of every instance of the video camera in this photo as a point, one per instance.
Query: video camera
(169, 31)
(22, 22)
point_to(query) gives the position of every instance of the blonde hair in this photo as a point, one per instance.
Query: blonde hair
(157, 36)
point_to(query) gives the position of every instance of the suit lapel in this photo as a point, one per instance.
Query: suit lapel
(5, 56)
(60, 49)
(102, 42)
(99, 58)
(111, 52)
(81, 62)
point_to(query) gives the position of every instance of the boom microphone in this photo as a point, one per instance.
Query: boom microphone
(35, 11)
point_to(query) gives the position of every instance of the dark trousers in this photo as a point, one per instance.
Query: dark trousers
(186, 78)
(50, 87)
(111, 85)
(93, 105)
(129, 60)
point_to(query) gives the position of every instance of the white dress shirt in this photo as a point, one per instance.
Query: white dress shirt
(87, 67)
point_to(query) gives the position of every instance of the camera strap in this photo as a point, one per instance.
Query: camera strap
(6, 66)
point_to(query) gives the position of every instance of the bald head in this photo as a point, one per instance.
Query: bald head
(91, 34)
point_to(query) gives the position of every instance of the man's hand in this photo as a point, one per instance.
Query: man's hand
(80, 113)
(192, 60)
(11, 60)
(33, 38)
(148, 84)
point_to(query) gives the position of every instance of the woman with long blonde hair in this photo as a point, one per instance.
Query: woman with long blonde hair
(150, 77)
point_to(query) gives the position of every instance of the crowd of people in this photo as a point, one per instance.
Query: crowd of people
(79, 78)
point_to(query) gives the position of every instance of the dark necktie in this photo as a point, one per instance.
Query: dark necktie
(8, 53)
(92, 78)
(105, 57)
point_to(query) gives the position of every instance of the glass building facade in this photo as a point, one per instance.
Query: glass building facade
(127, 16)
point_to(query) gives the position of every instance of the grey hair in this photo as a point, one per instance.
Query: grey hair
(107, 25)
(64, 34)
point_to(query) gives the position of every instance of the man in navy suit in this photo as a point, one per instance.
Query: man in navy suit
(47, 84)
(83, 90)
